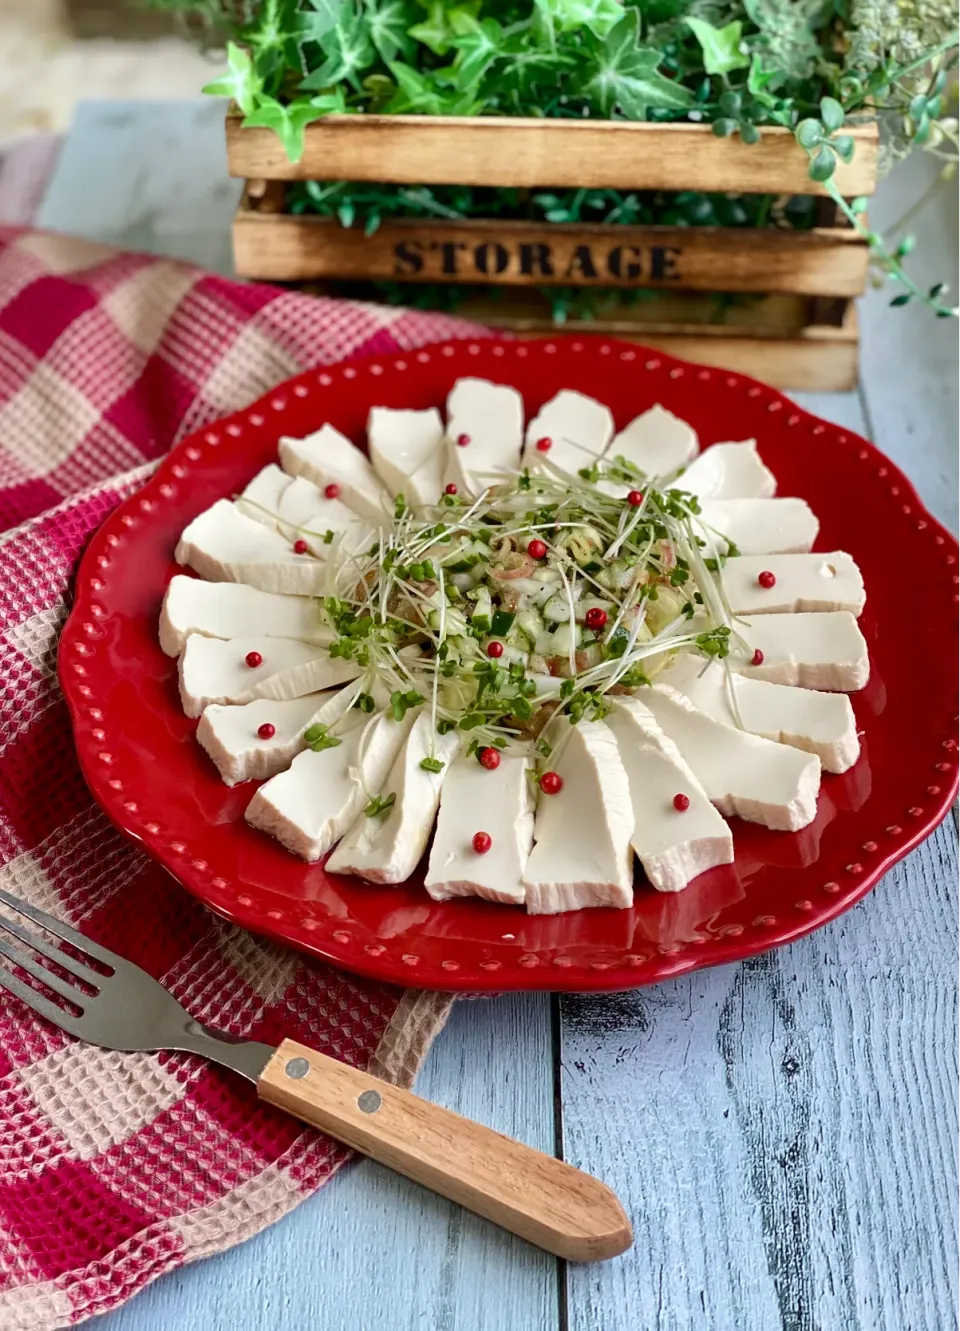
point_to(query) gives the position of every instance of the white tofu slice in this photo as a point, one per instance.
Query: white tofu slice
(814, 651)
(305, 513)
(820, 723)
(224, 546)
(657, 442)
(323, 672)
(743, 775)
(229, 736)
(491, 417)
(803, 582)
(309, 807)
(579, 430)
(212, 670)
(729, 471)
(387, 847)
(231, 610)
(329, 456)
(475, 800)
(673, 846)
(758, 526)
(582, 856)
(406, 448)
(260, 500)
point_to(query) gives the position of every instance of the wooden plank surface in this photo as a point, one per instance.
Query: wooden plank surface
(826, 261)
(787, 1125)
(451, 150)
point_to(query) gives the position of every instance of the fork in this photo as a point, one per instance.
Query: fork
(545, 1201)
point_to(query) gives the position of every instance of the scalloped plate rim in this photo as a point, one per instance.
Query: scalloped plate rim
(717, 950)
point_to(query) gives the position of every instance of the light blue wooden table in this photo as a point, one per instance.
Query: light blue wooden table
(782, 1132)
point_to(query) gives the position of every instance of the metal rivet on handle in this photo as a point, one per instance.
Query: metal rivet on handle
(369, 1102)
(297, 1067)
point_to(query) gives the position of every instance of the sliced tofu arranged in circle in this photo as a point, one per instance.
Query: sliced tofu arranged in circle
(582, 856)
(824, 650)
(799, 583)
(387, 847)
(499, 803)
(729, 471)
(657, 443)
(230, 610)
(223, 545)
(820, 723)
(570, 431)
(260, 499)
(306, 514)
(743, 775)
(484, 435)
(233, 670)
(406, 448)
(328, 457)
(757, 526)
(310, 806)
(297, 510)
(231, 735)
(674, 845)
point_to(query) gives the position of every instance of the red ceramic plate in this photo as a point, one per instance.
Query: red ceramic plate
(143, 765)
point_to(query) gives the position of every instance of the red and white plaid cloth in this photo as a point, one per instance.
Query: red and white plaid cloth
(115, 1168)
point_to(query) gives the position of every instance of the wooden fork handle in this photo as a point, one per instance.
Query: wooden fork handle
(545, 1201)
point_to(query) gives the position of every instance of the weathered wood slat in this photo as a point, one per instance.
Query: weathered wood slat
(280, 247)
(490, 150)
(783, 1130)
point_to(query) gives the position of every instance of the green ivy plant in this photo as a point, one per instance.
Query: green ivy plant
(816, 67)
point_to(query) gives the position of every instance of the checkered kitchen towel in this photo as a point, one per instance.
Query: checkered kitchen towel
(115, 1168)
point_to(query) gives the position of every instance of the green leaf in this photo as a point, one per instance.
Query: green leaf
(240, 82)
(822, 166)
(832, 114)
(809, 133)
(348, 50)
(597, 16)
(724, 127)
(903, 299)
(330, 103)
(279, 31)
(788, 37)
(417, 92)
(287, 122)
(389, 23)
(759, 80)
(844, 147)
(749, 133)
(625, 75)
(440, 27)
(477, 49)
(721, 47)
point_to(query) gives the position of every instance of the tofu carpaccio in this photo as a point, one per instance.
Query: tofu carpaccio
(547, 648)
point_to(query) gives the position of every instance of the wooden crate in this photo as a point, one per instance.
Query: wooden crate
(817, 271)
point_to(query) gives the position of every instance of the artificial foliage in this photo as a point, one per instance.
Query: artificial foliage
(816, 67)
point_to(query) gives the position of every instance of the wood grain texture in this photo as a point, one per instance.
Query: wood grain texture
(784, 1129)
(528, 1192)
(829, 261)
(488, 150)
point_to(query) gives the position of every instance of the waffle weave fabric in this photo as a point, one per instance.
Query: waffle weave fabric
(116, 1168)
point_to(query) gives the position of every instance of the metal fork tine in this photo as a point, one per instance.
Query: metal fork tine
(72, 1025)
(38, 944)
(64, 931)
(47, 977)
